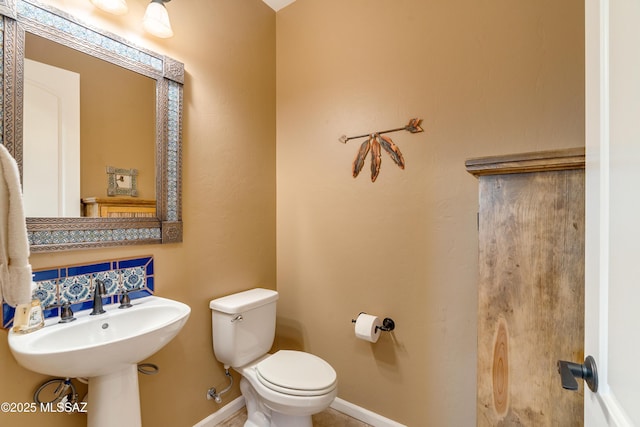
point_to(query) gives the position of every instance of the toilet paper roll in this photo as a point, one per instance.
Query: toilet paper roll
(367, 327)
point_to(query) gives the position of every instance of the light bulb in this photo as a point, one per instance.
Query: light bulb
(116, 7)
(156, 20)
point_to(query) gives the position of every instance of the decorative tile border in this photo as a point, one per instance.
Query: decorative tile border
(75, 284)
(173, 152)
(57, 237)
(38, 14)
(1, 80)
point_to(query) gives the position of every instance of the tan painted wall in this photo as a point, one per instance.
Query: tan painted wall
(487, 78)
(228, 48)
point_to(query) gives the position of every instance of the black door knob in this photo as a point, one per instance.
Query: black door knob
(569, 371)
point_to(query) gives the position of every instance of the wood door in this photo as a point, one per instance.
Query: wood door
(531, 287)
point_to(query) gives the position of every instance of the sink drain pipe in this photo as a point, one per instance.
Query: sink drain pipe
(63, 390)
(213, 395)
(148, 368)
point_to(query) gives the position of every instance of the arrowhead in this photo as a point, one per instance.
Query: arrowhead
(414, 126)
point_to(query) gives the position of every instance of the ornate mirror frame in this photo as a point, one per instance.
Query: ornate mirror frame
(56, 234)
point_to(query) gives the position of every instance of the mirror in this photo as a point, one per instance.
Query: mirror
(40, 32)
(71, 102)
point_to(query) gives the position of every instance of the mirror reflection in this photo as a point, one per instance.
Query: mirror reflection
(82, 116)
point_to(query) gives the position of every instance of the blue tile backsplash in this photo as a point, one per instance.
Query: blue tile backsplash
(75, 284)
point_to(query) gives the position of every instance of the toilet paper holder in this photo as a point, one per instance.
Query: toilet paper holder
(388, 324)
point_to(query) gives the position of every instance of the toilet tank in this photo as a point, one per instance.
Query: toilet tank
(243, 325)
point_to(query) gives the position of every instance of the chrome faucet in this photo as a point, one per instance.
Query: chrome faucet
(98, 293)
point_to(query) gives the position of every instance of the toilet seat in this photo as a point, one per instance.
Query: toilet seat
(296, 373)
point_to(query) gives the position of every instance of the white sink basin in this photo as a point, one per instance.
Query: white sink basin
(97, 345)
(105, 348)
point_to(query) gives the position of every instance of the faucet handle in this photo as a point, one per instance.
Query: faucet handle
(66, 314)
(125, 300)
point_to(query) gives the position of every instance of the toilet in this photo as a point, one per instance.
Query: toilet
(282, 389)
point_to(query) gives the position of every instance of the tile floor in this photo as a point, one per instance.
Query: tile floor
(328, 418)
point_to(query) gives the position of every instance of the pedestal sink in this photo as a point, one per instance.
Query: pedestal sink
(106, 349)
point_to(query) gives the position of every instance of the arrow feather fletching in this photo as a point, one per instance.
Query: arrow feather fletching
(358, 163)
(393, 150)
(376, 159)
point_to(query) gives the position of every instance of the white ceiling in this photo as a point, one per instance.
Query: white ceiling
(278, 4)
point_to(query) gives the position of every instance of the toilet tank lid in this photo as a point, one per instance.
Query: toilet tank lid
(243, 301)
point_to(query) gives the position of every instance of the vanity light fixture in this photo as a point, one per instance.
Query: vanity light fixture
(116, 7)
(156, 19)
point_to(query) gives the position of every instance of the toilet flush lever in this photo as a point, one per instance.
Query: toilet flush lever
(238, 318)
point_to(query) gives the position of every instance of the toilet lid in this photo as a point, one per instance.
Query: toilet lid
(296, 373)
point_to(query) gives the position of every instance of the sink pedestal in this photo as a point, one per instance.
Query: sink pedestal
(114, 399)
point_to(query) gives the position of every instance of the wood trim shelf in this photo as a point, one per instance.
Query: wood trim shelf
(566, 159)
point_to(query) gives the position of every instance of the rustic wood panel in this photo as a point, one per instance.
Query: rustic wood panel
(538, 161)
(531, 297)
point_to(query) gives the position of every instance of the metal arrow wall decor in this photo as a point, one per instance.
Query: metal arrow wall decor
(374, 142)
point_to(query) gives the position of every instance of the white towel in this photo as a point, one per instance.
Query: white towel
(15, 270)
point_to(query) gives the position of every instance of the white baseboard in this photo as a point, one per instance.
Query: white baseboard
(340, 405)
(362, 414)
(222, 414)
